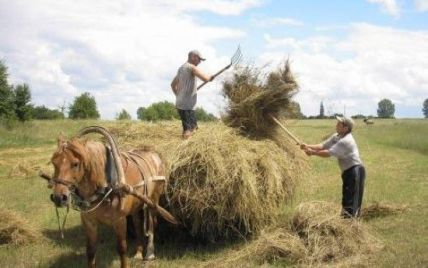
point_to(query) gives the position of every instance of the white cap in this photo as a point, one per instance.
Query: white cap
(346, 121)
(197, 53)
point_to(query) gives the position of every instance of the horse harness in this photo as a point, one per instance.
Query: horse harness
(87, 205)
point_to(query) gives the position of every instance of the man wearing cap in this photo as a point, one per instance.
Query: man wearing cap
(343, 146)
(184, 87)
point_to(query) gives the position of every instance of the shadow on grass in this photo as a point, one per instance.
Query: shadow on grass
(171, 243)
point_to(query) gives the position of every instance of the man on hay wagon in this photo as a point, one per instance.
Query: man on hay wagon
(184, 87)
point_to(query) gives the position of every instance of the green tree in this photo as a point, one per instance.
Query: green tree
(202, 115)
(7, 96)
(22, 102)
(140, 113)
(295, 112)
(158, 111)
(123, 115)
(44, 113)
(386, 109)
(83, 106)
(425, 108)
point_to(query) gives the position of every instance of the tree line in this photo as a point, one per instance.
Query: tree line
(15, 104)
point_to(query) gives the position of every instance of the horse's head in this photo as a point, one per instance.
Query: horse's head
(69, 161)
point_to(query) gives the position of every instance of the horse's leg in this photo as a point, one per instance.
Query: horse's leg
(120, 229)
(150, 251)
(136, 218)
(90, 228)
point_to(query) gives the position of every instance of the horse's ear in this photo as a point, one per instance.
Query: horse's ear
(60, 140)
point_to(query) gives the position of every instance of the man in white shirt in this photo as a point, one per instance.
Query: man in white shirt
(343, 146)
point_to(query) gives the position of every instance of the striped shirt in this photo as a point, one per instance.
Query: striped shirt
(186, 88)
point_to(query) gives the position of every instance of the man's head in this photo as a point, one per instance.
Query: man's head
(344, 125)
(195, 57)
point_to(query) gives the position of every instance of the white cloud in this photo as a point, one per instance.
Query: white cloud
(124, 53)
(277, 21)
(222, 7)
(389, 6)
(370, 64)
(421, 5)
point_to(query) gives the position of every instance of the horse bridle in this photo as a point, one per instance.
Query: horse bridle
(77, 202)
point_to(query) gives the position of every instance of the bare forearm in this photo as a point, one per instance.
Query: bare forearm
(320, 153)
(201, 75)
(316, 147)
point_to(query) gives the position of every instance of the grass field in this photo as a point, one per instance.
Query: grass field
(395, 153)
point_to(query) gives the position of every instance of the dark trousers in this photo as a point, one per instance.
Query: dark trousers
(188, 119)
(352, 190)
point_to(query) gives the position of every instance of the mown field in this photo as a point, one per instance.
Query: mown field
(395, 153)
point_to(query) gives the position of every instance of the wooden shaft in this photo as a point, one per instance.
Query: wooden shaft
(286, 130)
(215, 75)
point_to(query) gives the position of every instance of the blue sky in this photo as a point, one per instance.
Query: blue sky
(348, 54)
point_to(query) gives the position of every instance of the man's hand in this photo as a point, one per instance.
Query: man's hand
(309, 152)
(212, 78)
(303, 146)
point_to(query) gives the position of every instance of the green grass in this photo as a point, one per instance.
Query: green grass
(395, 153)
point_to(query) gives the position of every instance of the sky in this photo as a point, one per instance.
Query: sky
(347, 54)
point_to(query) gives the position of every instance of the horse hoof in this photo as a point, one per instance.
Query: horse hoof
(150, 257)
(138, 256)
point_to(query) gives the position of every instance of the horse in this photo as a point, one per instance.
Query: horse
(82, 169)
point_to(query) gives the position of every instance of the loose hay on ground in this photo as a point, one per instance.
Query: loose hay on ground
(329, 237)
(381, 209)
(222, 185)
(315, 235)
(16, 230)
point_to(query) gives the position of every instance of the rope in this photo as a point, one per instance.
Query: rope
(61, 228)
(99, 204)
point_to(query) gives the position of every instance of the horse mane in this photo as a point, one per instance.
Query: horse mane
(93, 157)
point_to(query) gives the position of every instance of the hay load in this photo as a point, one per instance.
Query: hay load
(253, 99)
(15, 230)
(224, 185)
(221, 184)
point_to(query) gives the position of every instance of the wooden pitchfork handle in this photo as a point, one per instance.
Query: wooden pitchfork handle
(215, 75)
(286, 130)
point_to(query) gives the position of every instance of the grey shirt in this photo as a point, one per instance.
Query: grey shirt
(187, 92)
(344, 149)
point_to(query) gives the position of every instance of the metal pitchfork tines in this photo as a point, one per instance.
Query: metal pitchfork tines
(236, 58)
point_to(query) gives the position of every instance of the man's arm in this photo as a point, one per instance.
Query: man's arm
(320, 153)
(315, 147)
(201, 75)
(174, 85)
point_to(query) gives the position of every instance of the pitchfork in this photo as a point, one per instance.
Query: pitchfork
(236, 58)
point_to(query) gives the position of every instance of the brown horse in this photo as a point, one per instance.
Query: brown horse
(81, 174)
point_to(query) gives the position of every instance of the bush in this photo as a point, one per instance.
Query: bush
(123, 115)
